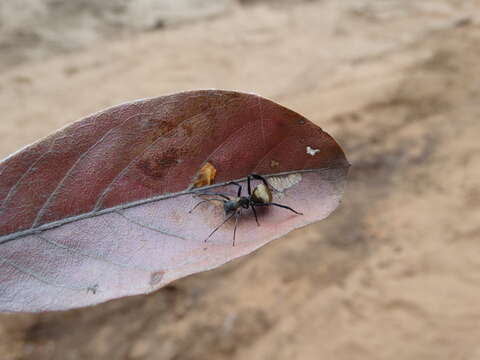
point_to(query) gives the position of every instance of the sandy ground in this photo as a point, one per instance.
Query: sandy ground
(393, 274)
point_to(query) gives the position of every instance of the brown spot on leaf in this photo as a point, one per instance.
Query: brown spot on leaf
(155, 165)
(205, 176)
(156, 277)
(188, 129)
(157, 128)
(274, 164)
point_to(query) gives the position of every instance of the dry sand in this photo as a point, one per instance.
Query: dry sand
(394, 273)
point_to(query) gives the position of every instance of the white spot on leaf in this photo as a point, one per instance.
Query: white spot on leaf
(312, 151)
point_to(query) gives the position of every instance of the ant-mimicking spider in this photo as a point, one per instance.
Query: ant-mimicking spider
(232, 206)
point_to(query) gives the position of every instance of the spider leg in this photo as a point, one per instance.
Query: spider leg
(239, 192)
(255, 213)
(218, 227)
(214, 194)
(259, 177)
(203, 201)
(237, 220)
(279, 205)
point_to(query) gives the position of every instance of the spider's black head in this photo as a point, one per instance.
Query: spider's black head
(244, 202)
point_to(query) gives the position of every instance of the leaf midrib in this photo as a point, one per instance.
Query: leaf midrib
(54, 224)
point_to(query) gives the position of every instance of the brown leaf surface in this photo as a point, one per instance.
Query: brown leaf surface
(100, 209)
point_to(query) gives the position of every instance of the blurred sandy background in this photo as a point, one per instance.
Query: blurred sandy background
(394, 273)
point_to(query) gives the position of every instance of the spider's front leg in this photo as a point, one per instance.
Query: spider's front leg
(239, 192)
(249, 182)
(204, 201)
(257, 177)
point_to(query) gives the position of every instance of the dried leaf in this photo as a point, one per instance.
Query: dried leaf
(100, 209)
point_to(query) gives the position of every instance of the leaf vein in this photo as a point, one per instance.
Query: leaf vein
(95, 257)
(45, 280)
(13, 189)
(52, 196)
(109, 187)
(149, 227)
(54, 224)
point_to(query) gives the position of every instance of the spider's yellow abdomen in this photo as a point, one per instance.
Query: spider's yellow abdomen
(262, 194)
